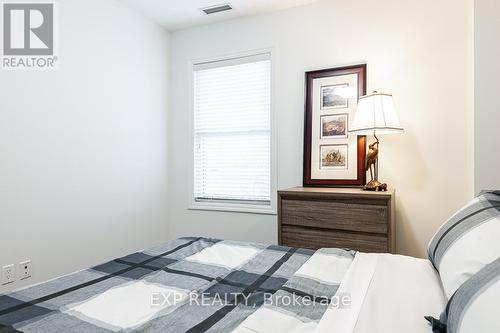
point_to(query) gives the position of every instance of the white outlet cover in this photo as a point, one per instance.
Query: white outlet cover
(24, 269)
(8, 274)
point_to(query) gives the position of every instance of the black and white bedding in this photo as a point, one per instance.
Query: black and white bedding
(186, 285)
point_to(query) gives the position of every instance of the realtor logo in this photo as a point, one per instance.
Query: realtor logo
(28, 35)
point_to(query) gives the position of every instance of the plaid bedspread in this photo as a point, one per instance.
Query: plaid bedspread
(186, 285)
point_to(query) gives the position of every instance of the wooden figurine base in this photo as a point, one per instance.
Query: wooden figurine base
(375, 185)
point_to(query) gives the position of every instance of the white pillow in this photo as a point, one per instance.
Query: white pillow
(467, 242)
(474, 306)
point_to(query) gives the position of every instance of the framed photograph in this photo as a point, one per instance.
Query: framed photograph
(335, 96)
(334, 126)
(332, 156)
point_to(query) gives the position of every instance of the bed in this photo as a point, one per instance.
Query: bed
(211, 285)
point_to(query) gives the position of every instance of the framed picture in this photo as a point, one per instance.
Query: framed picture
(334, 126)
(332, 97)
(332, 156)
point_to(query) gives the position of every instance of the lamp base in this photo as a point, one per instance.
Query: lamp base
(375, 185)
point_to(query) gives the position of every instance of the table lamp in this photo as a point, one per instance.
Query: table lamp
(375, 114)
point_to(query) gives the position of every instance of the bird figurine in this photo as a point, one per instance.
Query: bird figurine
(372, 165)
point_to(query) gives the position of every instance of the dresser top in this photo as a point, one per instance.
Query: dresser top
(337, 191)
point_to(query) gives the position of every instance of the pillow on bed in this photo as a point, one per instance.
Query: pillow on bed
(467, 242)
(474, 306)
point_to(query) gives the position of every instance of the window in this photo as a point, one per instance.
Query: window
(232, 133)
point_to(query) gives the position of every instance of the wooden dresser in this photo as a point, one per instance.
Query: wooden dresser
(336, 217)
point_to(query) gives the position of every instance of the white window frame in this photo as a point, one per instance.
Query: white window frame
(226, 206)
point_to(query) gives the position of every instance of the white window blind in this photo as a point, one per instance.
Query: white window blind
(232, 130)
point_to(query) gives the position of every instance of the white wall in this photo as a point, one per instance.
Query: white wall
(83, 150)
(418, 50)
(487, 83)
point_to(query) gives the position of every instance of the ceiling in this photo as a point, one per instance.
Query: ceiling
(181, 14)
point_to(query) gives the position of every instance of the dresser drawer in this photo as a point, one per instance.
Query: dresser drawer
(301, 237)
(334, 215)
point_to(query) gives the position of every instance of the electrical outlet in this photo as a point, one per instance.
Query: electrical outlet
(8, 275)
(24, 269)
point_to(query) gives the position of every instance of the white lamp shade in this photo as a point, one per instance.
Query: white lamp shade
(376, 114)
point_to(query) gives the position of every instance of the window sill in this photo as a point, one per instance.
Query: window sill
(232, 207)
